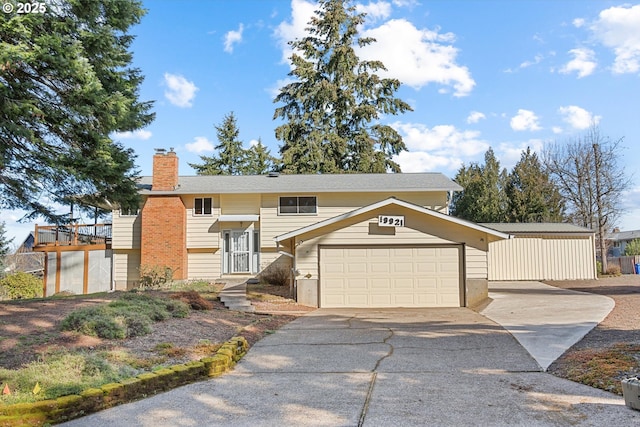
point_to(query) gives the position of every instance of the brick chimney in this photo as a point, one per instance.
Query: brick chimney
(165, 170)
(163, 236)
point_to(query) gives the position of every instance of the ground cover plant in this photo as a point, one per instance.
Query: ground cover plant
(56, 346)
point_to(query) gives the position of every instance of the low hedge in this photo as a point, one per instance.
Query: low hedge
(96, 399)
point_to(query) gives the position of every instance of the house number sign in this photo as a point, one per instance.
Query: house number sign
(391, 220)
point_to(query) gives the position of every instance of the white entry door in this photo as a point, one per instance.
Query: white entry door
(240, 251)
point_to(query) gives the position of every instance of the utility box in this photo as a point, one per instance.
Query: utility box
(631, 392)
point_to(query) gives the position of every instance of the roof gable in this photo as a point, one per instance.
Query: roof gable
(391, 201)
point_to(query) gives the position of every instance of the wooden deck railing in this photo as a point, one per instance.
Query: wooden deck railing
(72, 235)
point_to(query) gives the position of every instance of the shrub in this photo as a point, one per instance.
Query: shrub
(194, 300)
(276, 274)
(632, 248)
(613, 270)
(96, 322)
(21, 285)
(155, 276)
(129, 316)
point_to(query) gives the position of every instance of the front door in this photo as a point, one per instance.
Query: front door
(240, 252)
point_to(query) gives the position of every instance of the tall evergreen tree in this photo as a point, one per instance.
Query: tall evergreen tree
(483, 198)
(331, 110)
(231, 158)
(66, 84)
(259, 160)
(532, 196)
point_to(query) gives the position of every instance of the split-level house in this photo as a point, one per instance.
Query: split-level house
(348, 240)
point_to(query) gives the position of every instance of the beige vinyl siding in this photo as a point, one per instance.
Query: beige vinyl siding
(126, 268)
(204, 265)
(542, 258)
(202, 230)
(125, 231)
(330, 205)
(240, 204)
(476, 263)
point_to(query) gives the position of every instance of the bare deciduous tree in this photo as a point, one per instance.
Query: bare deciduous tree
(588, 173)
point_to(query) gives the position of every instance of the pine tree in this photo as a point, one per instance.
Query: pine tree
(67, 84)
(532, 196)
(231, 158)
(483, 198)
(332, 109)
(259, 160)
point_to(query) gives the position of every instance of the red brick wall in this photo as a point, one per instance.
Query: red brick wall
(163, 241)
(165, 172)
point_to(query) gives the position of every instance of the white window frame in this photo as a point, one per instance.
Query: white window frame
(202, 207)
(298, 206)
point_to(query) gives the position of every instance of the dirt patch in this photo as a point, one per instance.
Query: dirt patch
(611, 351)
(31, 328)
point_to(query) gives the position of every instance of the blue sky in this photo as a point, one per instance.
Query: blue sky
(478, 74)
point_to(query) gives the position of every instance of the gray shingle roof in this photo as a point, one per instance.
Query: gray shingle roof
(541, 227)
(625, 235)
(308, 183)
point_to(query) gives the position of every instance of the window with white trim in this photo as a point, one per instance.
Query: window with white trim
(298, 205)
(202, 206)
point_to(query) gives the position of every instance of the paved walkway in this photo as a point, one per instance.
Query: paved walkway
(409, 367)
(547, 321)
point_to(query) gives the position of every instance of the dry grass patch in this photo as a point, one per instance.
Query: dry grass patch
(603, 368)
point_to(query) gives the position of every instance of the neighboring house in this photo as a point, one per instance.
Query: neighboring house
(542, 251)
(24, 259)
(349, 240)
(618, 241)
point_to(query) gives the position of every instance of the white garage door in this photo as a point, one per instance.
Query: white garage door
(389, 276)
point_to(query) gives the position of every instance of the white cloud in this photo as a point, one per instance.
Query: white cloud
(556, 129)
(417, 57)
(232, 38)
(583, 62)
(375, 11)
(139, 134)
(509, 153)
(200, 144)
(253, 143)
(578, 22)
(180, 91)
(536, 60)
(525, 120)
(577, 117)
(475, 117)
(301, 13)
(618, 28)
(438, 148)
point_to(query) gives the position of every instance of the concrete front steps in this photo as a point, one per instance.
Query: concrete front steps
(234, 295)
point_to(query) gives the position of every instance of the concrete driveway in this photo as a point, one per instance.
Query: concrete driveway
(408, 367)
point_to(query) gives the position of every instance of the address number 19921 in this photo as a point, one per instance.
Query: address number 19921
(390, 221)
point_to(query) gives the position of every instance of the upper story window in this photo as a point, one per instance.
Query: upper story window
(202, 206)
(298, 205)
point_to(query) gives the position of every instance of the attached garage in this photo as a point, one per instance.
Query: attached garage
(390, 276)
(542, 251)
(356, 260)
